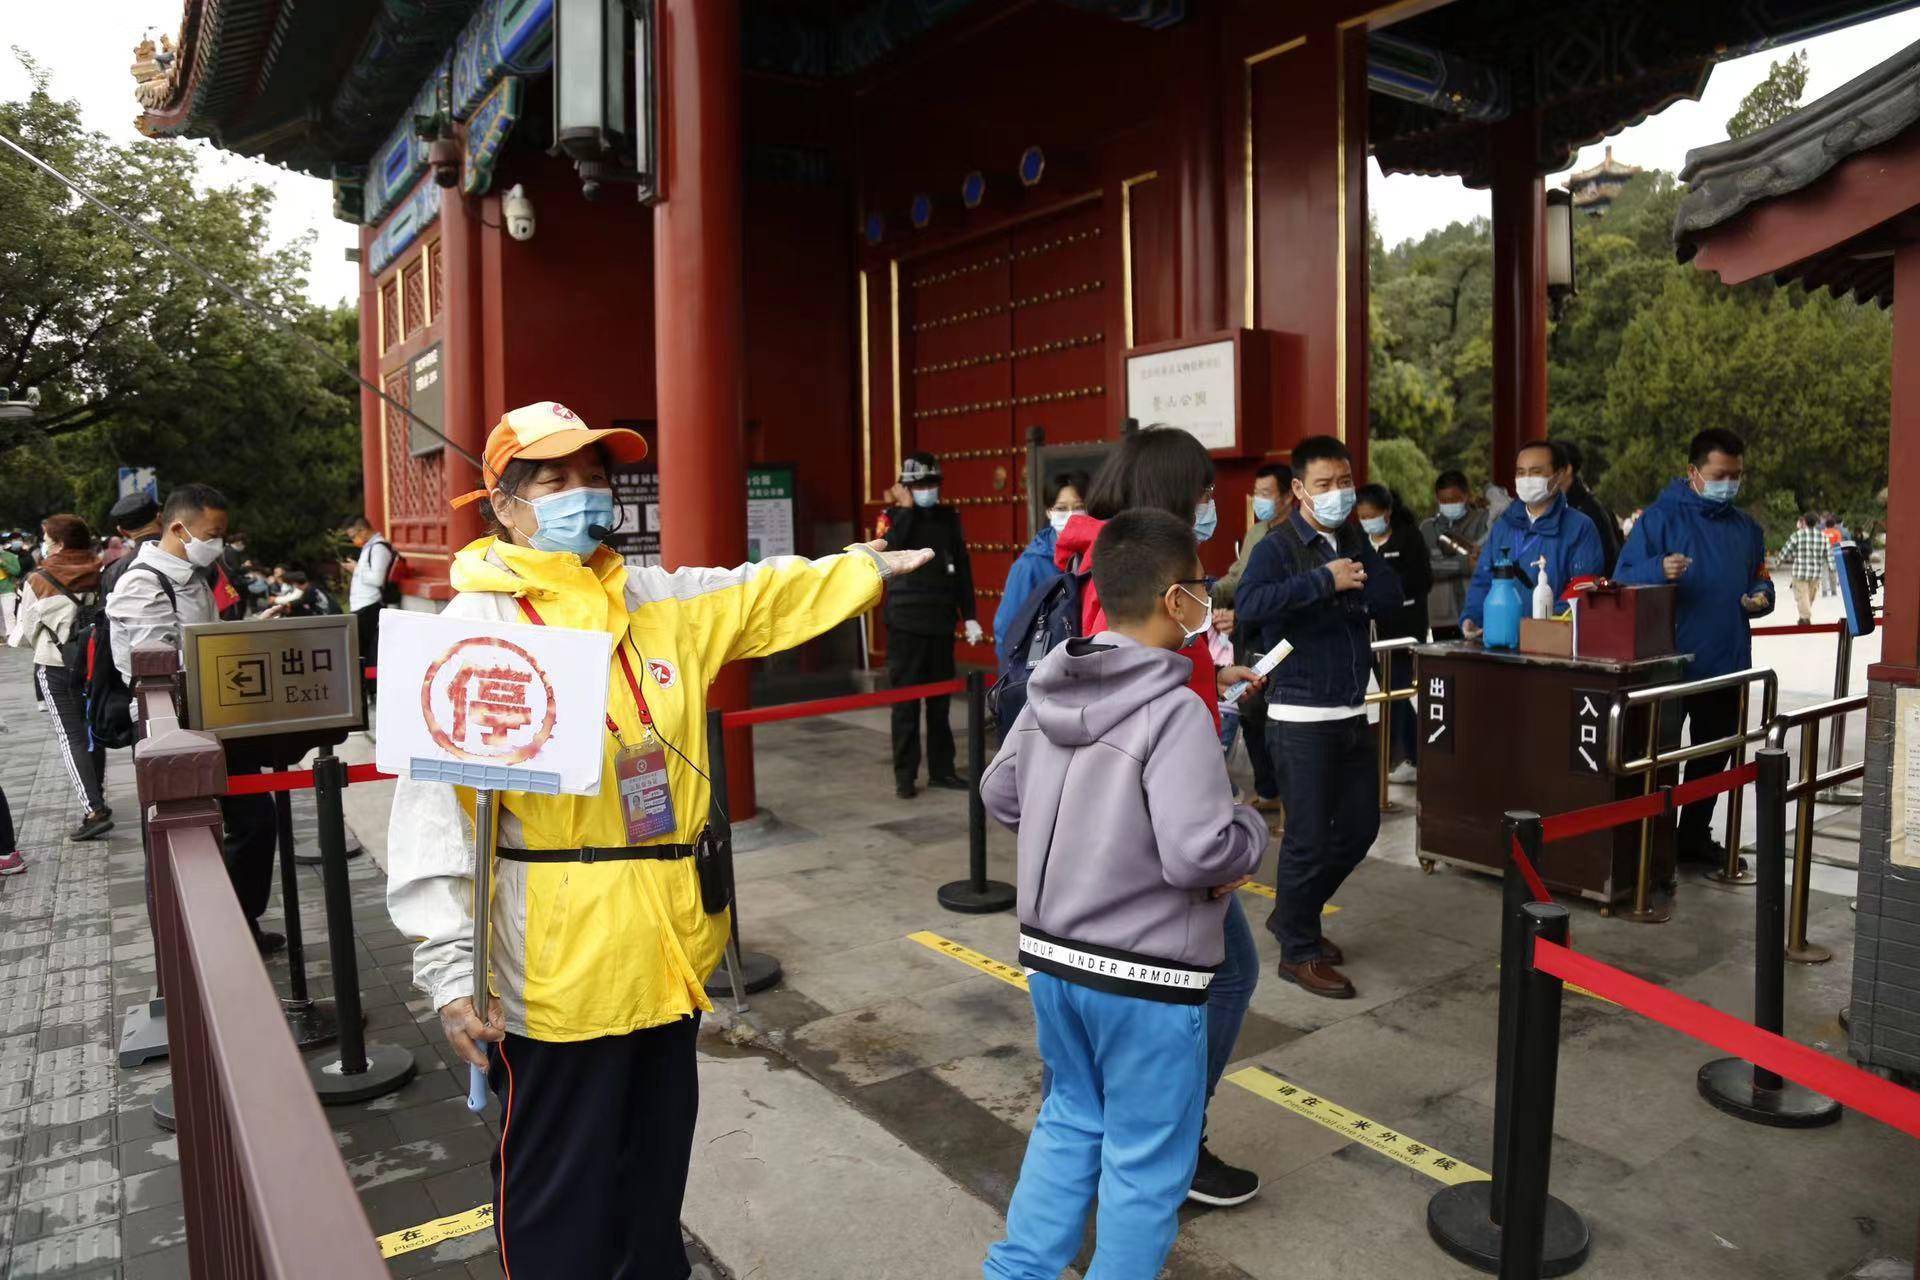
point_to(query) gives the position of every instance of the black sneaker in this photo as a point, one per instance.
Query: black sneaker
(93, 826)
(1218, 1183)
(1707, 854)
(950, 782)
(269, 943)
(905, 790)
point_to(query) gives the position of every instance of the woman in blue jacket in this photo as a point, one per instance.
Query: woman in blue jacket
(1035, 566)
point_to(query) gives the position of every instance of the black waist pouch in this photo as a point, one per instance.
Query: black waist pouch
(713, 859)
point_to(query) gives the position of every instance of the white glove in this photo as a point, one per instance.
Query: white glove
(974, 633)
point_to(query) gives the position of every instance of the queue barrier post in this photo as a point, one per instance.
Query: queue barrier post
(1799, 949)
(1734, 1085)
(976, 895)
(312, 1022)
(1466, 1220)
(1735, 871)
(1524, 1212)
(755, 971)
(360, 1071)
(1645, 910)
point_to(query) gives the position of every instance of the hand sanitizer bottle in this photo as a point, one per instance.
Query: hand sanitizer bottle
(1542, 592)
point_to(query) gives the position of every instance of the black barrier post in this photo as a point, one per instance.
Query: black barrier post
(362, 1071)
(758, 970)
(1465, 1219)
(312, 1022)
(1536, 1068)
(976, 895)
(1732, 1084)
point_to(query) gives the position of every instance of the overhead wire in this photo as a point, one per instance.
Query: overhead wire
(258, 310)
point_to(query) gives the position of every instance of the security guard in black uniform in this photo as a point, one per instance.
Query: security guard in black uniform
(922, 608)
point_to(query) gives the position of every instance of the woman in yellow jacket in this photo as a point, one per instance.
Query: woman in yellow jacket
(597, 967)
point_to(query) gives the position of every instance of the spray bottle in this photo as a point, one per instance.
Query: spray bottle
(1542, 592)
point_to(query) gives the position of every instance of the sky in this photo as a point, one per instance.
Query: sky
(89, 61)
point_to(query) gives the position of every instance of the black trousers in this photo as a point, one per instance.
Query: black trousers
(913, 659)
(368, 621)
(1707, 716)
(595, 1140)
(65, 697)
(7, 838)
(249, 844)
(1332, 771)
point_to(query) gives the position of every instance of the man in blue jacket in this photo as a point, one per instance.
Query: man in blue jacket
(1694, 537)
(1314, 581)
(1539, 525)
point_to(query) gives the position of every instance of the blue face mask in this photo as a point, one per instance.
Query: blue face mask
(1454, 510)
(926, 497)
(1375, 525)
(1206, 518)
(1264, 509)
(568, 518)
(1719, 490)
(1333, 507)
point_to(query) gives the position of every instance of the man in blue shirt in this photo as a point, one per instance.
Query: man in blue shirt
(1315, 581)
(1539, 525)
(1694, 537)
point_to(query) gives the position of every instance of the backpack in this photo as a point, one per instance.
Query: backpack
(1049, 618)
(109, 700)
(398, 571)
(73, 650)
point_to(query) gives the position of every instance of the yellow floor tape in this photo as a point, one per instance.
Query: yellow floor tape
(1266, 891)
(1390, 1143)
(395, 1243)
(1010, 974)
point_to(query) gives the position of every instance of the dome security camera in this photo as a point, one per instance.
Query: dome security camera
(517, 211)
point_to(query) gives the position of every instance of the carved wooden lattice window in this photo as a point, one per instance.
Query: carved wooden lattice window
(413, 299)
(389, 314)
(413, 484)
(436, 300)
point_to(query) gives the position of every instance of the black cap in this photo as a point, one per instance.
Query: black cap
(135, 511)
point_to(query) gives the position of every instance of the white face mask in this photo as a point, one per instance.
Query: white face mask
(202, 552)
(1532, 490)
(46, 548)
(1454, 510)
(1058, 519)
(1206, 623)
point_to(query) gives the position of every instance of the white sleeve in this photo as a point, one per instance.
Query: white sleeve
(141, 614)
(430, 886)
(26, 618)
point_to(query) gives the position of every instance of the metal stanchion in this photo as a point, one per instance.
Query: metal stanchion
(1465, 1220)
(1386, 726)
(312, 1022)
(1733, 873)
(976, 895)
(1837, 736)
(1644, 909)
(1529, 1147)
(1799, 950)
(755, 970)
(361, 1071)
(1735, 1085)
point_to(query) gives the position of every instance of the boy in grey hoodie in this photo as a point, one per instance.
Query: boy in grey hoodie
(1129, 842)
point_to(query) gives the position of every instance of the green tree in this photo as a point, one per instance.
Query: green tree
(1773, 99)
(140, 362)
(1399, 465)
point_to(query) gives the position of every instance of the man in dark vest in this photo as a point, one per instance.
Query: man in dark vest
(923, 607)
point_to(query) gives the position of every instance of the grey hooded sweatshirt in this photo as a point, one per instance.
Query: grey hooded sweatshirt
(1114, 780)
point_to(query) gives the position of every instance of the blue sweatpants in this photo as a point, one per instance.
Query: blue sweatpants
(1122, 1119)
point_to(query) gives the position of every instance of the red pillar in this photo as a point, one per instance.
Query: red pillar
(460, 361)
(373, 419)
(1519, 292)
(699, 323)
(1900, 642)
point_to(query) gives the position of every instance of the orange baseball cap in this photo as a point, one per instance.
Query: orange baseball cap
(548, 430)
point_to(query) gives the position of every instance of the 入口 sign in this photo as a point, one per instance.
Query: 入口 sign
(491, 705)
(288, 675)
(1192, 388)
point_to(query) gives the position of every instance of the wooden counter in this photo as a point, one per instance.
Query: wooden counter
(1502, 730)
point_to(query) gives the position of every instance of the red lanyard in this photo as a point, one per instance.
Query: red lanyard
(640, 699)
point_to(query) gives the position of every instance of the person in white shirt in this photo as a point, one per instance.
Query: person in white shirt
(369, 591)
(165, 588)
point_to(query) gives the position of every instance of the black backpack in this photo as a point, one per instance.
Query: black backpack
(109, 700)
(86, 616)
(1050, 617)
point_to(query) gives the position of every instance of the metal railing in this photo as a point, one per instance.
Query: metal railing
(1654, 699)
(265, 1193)
(1804, 793)
(1387, 695)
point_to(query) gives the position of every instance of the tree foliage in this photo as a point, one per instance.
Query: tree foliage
(1773, 99)
(1648, 352)
(140, 362)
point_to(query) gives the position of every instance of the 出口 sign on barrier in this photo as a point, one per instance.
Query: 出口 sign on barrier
(274, 676)
(491, 705)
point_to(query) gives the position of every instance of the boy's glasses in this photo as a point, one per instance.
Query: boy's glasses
(1208, 583)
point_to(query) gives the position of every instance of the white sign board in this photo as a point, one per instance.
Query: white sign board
(1192, 388)
(1903, 831)
(492, 705)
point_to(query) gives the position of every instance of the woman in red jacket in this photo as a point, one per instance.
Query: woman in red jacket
(1167, 469)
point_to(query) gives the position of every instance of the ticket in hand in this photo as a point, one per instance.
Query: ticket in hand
(1263, 668)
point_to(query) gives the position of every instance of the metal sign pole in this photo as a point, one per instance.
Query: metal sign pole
(485, 826)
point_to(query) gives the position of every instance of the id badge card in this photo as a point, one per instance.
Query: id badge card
(645, 800)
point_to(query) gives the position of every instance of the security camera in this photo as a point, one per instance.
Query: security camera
(518, 212)
(443, 154)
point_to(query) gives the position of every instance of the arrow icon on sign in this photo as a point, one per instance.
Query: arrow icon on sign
(1435, 735)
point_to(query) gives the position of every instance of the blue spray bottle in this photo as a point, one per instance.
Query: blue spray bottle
(1505, 605)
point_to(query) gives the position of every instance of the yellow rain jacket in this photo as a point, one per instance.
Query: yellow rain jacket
(581, 950)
